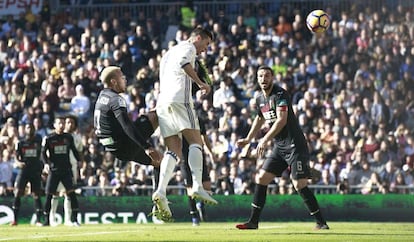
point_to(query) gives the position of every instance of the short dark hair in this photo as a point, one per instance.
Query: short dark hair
(204, 33)
(74, 118)
(265, 68)
(61, 117)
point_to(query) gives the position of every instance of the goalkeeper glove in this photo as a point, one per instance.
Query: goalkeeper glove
(203, 73)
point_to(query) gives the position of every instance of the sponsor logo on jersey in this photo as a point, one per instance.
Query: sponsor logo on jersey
(30, 152)
(103, 100)
(60, 149)
(122, 102)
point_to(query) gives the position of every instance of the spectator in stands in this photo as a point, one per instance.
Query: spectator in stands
(122, 188)
(389, 174)
(40, 128)
(93, 158)
(141, 181)
(224, 185)
(10, 69)
(377, 163)
(6, 169)
(283, 27)
(103, 182)
(396, 187)
(223, 94)
(65, 93)
(80, 106)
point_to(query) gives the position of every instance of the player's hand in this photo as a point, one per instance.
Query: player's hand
(46, 169)
(155, 156)
(261, 148)
(204, 88)
(242, 142)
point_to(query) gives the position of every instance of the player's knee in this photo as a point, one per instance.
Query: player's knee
(259, 179)
(172, 154)
(264, 178)
(299, 184)
(153, 118)
(195, 146)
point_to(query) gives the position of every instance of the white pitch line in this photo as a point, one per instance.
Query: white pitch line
(272, 227)
(65, 235)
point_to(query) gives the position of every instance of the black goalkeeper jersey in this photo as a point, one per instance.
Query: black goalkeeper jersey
(56, 150)
(291, 135)
(29, 152)
(111, 121)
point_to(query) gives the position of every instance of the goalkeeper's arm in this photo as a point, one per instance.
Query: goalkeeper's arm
(202, 72)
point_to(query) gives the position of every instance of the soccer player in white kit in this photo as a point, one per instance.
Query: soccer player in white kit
(177, 117)
(71, 126)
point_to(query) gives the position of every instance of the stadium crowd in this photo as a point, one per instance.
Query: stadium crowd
(352, 89)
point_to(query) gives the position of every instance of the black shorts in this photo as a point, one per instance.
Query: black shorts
(35, 179)
(55, 177)
(144, 126)
(277, 162)
(127, 150)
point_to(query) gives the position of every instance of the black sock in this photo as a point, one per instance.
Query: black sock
(156, 177)
(312, 204)
(38, 207)
(16, 207)
(259, 200)
(193, 208)
(48, 205)
(74, 205)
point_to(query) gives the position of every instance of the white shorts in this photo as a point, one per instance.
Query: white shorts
(176, 117)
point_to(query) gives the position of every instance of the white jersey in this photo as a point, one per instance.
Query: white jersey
(175, 84)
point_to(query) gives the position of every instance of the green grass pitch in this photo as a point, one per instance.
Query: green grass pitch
(268, 231)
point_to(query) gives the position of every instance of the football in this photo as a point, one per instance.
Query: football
(318, 21)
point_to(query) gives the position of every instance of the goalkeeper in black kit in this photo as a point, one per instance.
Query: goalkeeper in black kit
(55, 153)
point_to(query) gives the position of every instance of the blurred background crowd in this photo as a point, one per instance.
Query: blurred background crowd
(352, 89)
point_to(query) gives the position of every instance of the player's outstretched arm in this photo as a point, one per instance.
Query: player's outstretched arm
(257, 124)
(130, 130)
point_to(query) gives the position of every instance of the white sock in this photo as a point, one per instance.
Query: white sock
(166, 171)
(53, 208)
(195, 161)
(68, 209)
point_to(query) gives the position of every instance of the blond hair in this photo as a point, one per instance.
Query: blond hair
(108, 73)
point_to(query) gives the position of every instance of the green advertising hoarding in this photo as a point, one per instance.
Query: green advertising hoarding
(95, 210)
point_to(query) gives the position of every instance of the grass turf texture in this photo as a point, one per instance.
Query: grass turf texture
(268, 231)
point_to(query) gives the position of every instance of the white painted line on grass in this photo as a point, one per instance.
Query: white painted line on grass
(72, 234)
